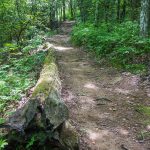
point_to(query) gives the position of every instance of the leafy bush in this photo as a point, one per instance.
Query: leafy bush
(33, 43)
(17, 76)
(3, 143)
(120, 44)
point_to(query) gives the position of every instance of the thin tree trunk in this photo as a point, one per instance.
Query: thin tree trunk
(52, 15)
(144, 18)
(97, 14)
(71, 9)
(64, 10)
(61, 14)
(82, 11)
(123, 14)
(107, 7)
(118, 10)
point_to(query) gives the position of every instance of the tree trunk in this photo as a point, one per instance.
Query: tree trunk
(118, 10)
(107, 9)
(97, 14)
(144, 18)
(123, 14)
(83, 11)
(134, 9)
(71, 9)
(64, 10)
(45, 112)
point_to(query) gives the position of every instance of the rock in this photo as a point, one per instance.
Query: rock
(69, 136)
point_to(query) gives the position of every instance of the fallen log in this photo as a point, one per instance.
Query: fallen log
(45, 112)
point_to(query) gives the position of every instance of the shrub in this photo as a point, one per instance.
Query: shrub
(120, 44)
(17, 76)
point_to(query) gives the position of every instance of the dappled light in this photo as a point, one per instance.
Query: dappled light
(74, 74)
(122, 91)
(99, 134)
(94, 135)
(76, 69)
(61, 48)
(91, 86)
(123, 131)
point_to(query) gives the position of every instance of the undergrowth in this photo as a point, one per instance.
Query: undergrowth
(119, 44)
(19, 71)
(17, 76)
(144, 111)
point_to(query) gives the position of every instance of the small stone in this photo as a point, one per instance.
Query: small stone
(148, 127)
(93, 142)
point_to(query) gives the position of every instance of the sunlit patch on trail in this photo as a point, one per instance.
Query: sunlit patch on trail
(61, 48)
(97, 134)
(91, 86)
(76, 69)
(123, 91)
(93, 135)
(122, 131)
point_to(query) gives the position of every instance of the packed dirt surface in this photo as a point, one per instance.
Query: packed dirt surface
(102, 101)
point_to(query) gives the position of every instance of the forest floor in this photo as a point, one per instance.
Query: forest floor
(102, 100)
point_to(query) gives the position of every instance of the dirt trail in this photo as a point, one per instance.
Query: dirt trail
(101, 100)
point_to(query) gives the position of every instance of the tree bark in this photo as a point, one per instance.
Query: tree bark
(118, 10)
(71, 9)
(123, 14)
(83, 10)
(144, 18)
(97, 14)
(64, 10)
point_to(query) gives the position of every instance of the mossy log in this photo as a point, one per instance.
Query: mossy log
(45, 101)
(45, 111)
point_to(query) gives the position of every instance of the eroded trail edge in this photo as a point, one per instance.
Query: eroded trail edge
(101, 100)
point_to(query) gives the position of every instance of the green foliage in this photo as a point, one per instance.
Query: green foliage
(31, 143)
(17, 76)
(9, 48)
(120, 44)
(3, 143)
(13, 21)
(2, 120)
(143, 135)
(34, 139)
(33, 43)
(21, 20)
(145, 110)
(18, 72)
(39, 137)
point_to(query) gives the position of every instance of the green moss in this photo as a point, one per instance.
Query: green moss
(43, 88)
(50, 57)
(46, 78)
